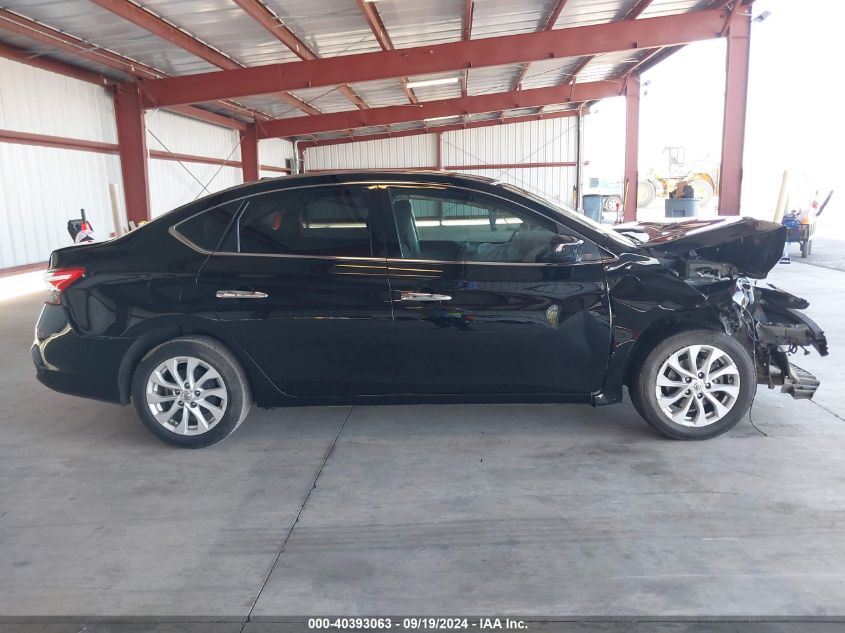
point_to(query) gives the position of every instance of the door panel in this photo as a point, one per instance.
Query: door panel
(478, 306)
(506, 329)
(325, 327)
(305, 291)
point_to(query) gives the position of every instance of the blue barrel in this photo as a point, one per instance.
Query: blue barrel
(592, 206)
(681, 207)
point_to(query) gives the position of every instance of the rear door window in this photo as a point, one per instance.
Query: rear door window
(313, 221)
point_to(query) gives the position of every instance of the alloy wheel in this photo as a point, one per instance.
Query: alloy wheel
(186, 395)
(697, 386)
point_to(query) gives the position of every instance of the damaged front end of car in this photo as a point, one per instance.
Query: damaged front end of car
(771, 321)
(725, 259)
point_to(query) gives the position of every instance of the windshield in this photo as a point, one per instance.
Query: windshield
(570, 214)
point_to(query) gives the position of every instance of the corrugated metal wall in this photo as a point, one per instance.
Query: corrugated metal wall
(403, 151)
(41, 188)
(550, 140)
(174, 183)
(275, 152)
(40, 102)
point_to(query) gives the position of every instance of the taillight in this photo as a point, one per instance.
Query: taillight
(60, 279)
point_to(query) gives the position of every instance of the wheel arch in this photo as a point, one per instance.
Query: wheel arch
(261, 387)
(658, 330)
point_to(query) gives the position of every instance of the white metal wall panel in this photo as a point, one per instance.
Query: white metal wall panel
(274, 151)
(530, 142)
(399, 152)
(40, 102)
(550, 140)
(41, 188)
(555, 183)
(181, 135)
(173, 184)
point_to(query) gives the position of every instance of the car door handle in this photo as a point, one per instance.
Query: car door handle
(408, 295)
(241, 294)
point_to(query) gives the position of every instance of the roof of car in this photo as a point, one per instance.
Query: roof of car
(384, 173)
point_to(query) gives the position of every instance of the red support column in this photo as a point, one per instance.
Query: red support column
(733, 130)
(632, 135)
(132, 147)
(249, 153)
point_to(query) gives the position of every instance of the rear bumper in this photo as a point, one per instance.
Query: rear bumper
(71, 363)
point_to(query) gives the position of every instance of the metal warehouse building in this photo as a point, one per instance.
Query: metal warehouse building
(446, 335)
(171, 100)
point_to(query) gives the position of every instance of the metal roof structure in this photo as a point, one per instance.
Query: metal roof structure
(335, 71)
(123, 40)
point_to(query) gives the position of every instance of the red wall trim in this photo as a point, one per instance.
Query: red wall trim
(191, 158)
(478, 167)
(63, 142)
(508, 166)
(439, 129)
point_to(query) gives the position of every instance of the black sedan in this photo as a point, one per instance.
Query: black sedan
(375, 286)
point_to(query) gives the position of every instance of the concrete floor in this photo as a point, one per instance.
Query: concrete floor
(543, 510)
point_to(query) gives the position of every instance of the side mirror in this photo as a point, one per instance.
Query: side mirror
(565, 249)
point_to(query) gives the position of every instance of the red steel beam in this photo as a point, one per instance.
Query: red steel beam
(55, 66)
(439, 129)
(60, 142)
(259, 12)
(632, 14)
(493, 102)
(637, 9)
(249, 154)
(149, 21)
(733, 129)
(376, 24)
(84, 50)
(466, 31)
(83, 145)
(496, 51)
(548, 25)
(632, 133)
(68, 43)
(132, 145)
(466, 36)
(208, 117)
(89, 76)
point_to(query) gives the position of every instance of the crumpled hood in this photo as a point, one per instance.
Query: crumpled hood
(752, 246)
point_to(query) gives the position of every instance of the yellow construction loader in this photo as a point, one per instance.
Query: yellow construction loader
(659, 183)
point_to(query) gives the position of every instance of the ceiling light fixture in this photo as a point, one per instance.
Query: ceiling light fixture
(441, 118)
(423, 83)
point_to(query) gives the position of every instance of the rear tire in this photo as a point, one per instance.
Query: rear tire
(694, 385)
(191, 392)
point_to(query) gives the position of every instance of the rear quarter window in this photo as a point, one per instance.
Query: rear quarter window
(211, 230)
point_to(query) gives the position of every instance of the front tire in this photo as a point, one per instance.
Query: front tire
(191, 392)
(694, 385)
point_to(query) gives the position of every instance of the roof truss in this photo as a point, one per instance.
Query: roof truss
(631, 35)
